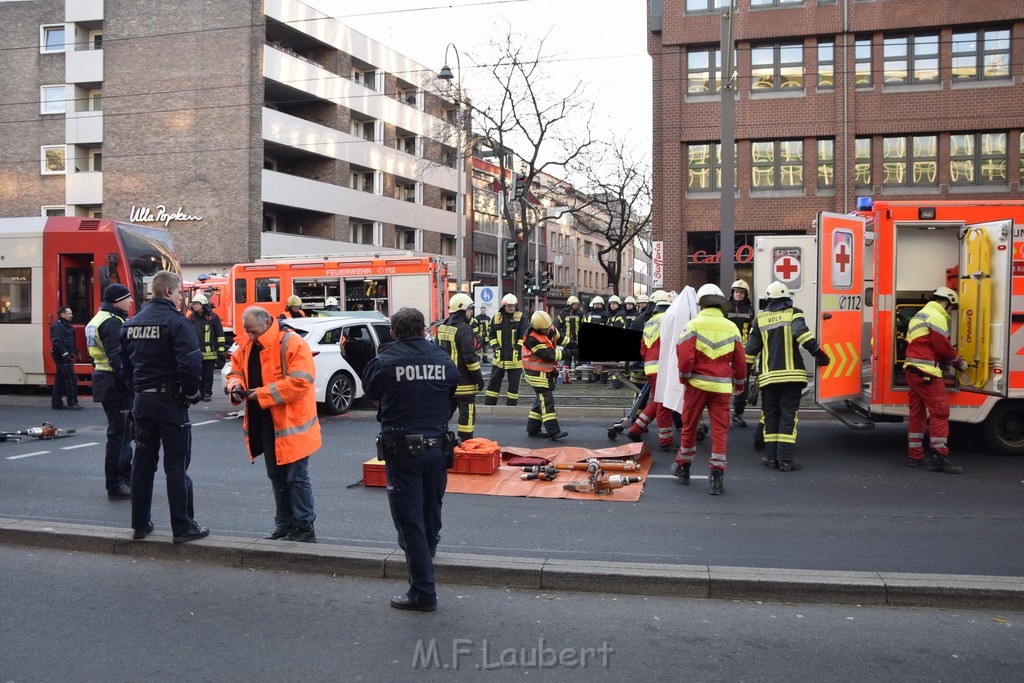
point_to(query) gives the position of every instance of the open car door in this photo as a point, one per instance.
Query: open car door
(840, 310)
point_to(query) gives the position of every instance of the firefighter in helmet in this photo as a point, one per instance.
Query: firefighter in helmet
(569, 329)
(507, 328)
(650, 350)
(928, 349)
(629, 310)
(712, 366)
(331, 304)
(616, 314)
(597, 314)
(741, 312)
(455, 336)
(210, 334)
(540, 357)
(776, 334)
(293, 308)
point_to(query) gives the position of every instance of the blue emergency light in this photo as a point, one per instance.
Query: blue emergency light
(865, 204)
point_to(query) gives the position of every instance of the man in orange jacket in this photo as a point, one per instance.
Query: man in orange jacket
(272, 372)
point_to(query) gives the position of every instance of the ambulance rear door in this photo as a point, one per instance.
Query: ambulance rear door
(991, 302)
(793, 261)
(411, 290)
(840, 307)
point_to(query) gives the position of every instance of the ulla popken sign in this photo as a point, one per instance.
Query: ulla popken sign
(160, 214)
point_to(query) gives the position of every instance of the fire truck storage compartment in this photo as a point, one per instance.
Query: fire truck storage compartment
(314, 292)
(924, 252)
(366, 294)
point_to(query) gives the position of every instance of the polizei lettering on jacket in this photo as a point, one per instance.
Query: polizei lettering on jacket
(143, 331)
(404, 373)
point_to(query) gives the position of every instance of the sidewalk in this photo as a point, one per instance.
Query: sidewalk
(685, 581)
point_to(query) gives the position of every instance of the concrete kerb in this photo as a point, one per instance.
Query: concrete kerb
(627, 578)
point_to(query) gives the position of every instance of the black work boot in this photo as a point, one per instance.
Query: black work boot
(789, 465)
(302, 534)
(489, 401)
(512, 402)
(716, 479)
(738, 421)
(682, 472)
(941, 464)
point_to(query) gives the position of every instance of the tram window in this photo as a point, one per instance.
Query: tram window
(240, 291)
(15, 295)
(268, 290)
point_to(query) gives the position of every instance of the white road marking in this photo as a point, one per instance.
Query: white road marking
(672, 476)
(200, 424)
(81, 445)
(26, 455)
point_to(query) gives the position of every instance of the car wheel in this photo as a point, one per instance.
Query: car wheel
(1004, 428)
(340, 393)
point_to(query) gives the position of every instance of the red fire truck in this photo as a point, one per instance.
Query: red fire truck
(50, 262)
(880, 264)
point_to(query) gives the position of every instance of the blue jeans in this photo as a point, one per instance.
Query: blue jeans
(293, 493)
(415, 488)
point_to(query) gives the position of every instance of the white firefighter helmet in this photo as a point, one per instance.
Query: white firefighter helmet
(200, 299)
(540, 321)
(659, 296)
(509, 300)
(614, 299)
(630, 300)
(741, 284)
(777, 290)
(460, 302)
(643, 299)
(710, 295)
(572, 300)
(596, 301)
(294, 301)
(949, 295)
(331, 301)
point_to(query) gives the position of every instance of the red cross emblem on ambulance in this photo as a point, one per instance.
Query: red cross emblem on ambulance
(842, 259)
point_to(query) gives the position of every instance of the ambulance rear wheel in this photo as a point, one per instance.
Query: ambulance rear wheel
(1004, 428)
(340, 394)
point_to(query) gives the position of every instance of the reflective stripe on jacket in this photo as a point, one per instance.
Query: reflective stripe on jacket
(94, 343)
(710, 353)
(455, 338)
(650, 345)
(506, 336)
(775, 335)
(540, 355)
(928, 340)
(287, 392)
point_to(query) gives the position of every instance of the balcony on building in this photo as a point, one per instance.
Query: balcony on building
(81, 11)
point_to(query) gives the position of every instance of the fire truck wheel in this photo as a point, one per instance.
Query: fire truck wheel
(1004, 428)
(340, 393)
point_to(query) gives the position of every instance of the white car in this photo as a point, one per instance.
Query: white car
(339, 376)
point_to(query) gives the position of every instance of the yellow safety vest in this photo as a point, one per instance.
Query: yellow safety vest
(931, 317)
(95, 344)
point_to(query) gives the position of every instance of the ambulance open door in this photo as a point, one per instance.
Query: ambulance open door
(840, 308)
(983, 321)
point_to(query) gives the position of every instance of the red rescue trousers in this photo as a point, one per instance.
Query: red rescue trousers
(694, 402)
(655, 411)
(929, 405)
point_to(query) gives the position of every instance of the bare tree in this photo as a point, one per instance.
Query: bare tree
(550, 132)
(619, 212)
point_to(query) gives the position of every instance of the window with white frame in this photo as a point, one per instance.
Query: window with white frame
(447, 245)
(96, 160)
(978, 159)
(59, 210)
(53, 159)
(368, 78)
(364, 233)
(362, 129)
(910, 60)
(362, 180)
(981, 55)
(52, 99)
(449, 201)
(408, 238)
(777, 164)
(862, 63)
(405, 190)
(51, 38)
(826, 65)
(777, 67)
(406, 141)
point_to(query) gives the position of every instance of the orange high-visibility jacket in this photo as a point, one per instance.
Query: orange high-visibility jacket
(288, 372)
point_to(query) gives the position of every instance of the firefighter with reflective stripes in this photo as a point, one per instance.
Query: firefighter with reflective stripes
(629, 311)
(741, 312)
(506, 334)
(481, 324)
(455, 337)
(569, 329)
(637, 375)
(210, 333)
(616, 313)
(776, 334)
(541, 354)
(928, 348)
(650, 349)
(712, 367)
(272, 371)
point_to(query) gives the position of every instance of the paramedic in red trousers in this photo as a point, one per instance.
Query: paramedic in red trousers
(455, 337)
(650, 349)
(272, 371)
(413, 383)
(777, 333)
(713, 368)
(540, 357)
(928, 349)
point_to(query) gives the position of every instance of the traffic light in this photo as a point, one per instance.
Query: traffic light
(545, 282)
(520, 186)
(511, 258)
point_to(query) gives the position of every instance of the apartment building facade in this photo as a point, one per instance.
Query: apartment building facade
(835, 99)
(246, 127)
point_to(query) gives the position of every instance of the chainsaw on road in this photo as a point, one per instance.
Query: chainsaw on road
(46, 431)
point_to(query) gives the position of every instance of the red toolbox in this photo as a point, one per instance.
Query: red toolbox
(374, 474)
(477, 460)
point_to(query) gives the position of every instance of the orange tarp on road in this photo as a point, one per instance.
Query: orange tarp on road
(507, 482)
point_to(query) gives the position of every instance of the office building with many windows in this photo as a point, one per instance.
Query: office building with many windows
(835, 99)
(247, 127)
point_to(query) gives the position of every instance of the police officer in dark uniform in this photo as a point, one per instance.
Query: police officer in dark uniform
(64, 351)
(414, 383)
(163, 365)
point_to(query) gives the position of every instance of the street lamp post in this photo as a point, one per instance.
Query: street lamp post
(460, 226)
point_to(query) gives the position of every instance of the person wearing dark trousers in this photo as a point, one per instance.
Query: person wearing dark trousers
(64, 351)
(103, 339)
(455, 338)
(540, 357)
(777, 334)
(741, 313)
(506, 335)
(413, 383)
(163, 366)
(272, 371)
(210, 334)
(569, 330)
